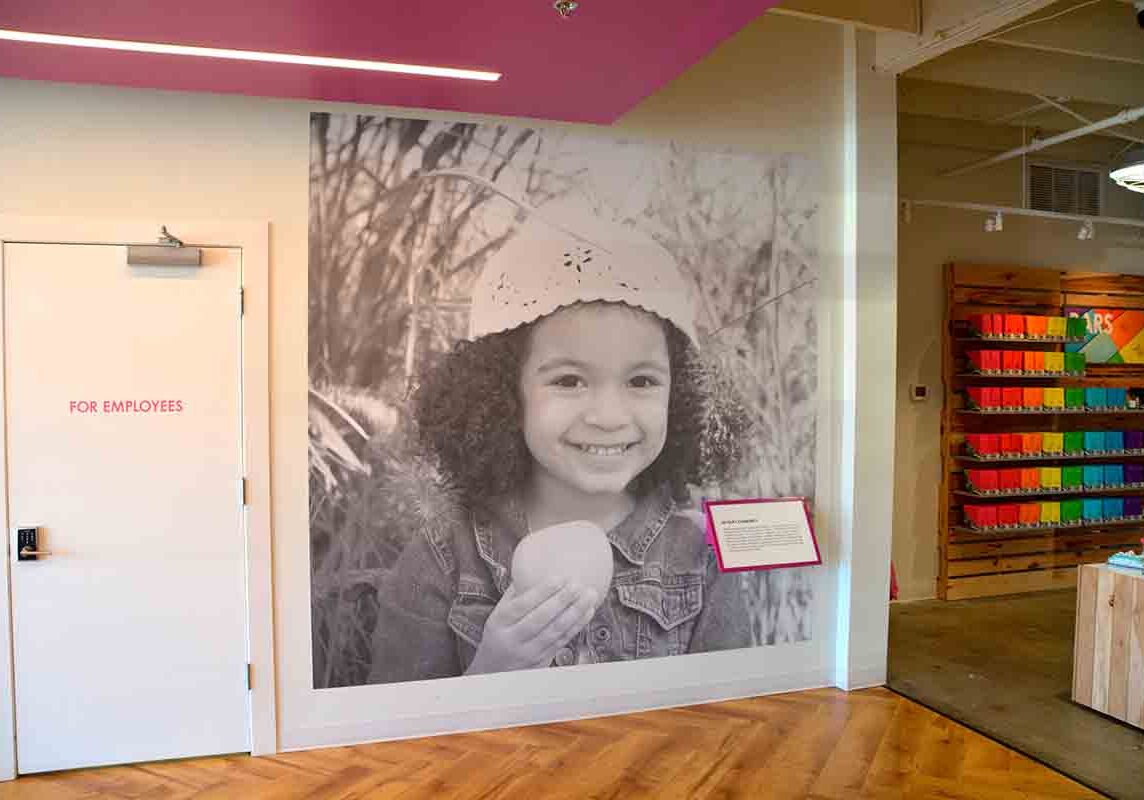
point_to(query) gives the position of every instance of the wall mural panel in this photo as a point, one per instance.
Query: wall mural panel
(532, 353)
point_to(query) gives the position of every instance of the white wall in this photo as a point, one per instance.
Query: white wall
(778, 86)
(933, 238)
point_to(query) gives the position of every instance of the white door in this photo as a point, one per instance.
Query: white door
(123, 420)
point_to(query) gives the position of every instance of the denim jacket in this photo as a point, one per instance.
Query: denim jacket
(667, 595)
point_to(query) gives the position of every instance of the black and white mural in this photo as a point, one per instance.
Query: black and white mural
(532, 354)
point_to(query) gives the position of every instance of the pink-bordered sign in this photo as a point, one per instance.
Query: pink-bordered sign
(713, 534)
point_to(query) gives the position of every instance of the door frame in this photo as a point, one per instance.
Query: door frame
(253, 238)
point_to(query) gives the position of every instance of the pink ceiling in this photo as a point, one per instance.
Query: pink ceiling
(590, 68)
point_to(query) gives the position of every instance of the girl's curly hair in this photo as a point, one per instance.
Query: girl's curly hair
(467, 412)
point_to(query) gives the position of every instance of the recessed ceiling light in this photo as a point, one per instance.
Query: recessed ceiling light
(246, 55)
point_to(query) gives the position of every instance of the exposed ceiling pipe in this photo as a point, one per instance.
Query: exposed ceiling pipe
(1082, 118)
(1123, 118)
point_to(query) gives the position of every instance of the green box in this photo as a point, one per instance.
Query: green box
(1071, 510)
(1074, 363)
(1076, 327)
(1074, 397)
(1074, 441)
(1072, 477)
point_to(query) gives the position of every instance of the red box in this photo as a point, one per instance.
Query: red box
(976, 359)
(976, 396)
(1029, 514)
(1009, 480)
(993, 396)
(981, 324)
(1010, 443)
(984, 444)
(983, 516)
(1015, 325)
(981, 480)
(1012, 361)
(1012, 397)
(1008, 515)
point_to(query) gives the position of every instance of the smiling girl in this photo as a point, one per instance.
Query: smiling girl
(579, 396)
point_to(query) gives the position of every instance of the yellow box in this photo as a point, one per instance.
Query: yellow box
(1054, 397)
(1050, 477)
(1052, 442)
(1057, 327)
(1050, 513)
(1054, 362)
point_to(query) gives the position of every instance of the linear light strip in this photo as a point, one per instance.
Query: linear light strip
(246, 55)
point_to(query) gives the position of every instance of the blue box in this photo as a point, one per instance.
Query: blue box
(1114, 441)
(1095, 397)
(1093, 510)
(1113, 475)
(1114, 508)
(1093, 476)
(1116, 398)
(1094, 441)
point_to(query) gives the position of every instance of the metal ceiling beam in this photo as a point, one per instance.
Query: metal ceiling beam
(947, 25)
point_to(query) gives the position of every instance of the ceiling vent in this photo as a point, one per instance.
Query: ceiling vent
(1064, 190)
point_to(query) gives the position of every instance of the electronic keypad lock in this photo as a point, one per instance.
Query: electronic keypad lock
(28, 545)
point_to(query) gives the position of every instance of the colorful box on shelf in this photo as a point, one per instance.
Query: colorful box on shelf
(1029, 514)
(1058, 327)
(1012, 397)
(1032, 397)
(1134, 441)
(1133, 507)
(1095, 397)
(1076, 327)
(1012, 362)
(1050, 477)
(1071, 511)
(1053, 363)
(1014, 326)
(1036, 327)
(1114, 441)
(1074, 363)
(1094, 441)
(983, 481)
(1113, 508)
(1054, 398)
(1052, 443)
(1010, 444)
(1008, 515)
(1009, 480)
(1092, 509)
(1033, 362)
(1074, 397)
(1074, 443)
(1072, 477)
(1050, 512)
(1113, 475)
(1134, 474)
(1093, 476)
(1116, 397)
(1030, 444)
(1030, 479)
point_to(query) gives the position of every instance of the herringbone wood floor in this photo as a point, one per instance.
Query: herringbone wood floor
(818, 744)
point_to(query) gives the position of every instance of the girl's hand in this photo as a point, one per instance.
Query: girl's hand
(527, 630)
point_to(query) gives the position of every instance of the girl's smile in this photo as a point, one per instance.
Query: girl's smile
(594, 387)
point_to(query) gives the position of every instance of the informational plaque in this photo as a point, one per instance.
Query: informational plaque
(761, 534)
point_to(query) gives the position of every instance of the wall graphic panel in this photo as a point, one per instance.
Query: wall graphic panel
(532, 353)
(1115, 335)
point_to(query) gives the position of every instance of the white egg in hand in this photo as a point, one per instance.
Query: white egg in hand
(576, 551)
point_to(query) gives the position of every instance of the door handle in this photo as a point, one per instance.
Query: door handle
(28, 551)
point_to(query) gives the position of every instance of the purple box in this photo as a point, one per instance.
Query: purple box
(1134, 440)
(1133, 474)
(1133, 506)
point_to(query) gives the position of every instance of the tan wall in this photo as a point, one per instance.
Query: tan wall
(934, 237)
(95, 151)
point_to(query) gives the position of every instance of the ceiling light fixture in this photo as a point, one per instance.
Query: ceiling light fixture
(246, 55)
(1129, 173)
(565, 8)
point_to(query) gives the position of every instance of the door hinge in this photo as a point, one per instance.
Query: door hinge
(242, 489)
(241, 301)
(249, 677)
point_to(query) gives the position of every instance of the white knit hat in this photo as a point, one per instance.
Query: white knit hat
(554, 261)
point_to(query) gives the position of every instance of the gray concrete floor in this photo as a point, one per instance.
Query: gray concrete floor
(1003, 666)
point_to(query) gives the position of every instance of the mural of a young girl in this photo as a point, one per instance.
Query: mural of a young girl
(579, 395)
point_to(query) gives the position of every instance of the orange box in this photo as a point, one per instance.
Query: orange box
(1029, 514)
(1031, 479)
(1034, 361)
(1031, 444)
(1015, 326)
(1033, 397)
(1036, 327)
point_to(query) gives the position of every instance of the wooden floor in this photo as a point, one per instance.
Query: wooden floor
(818, 744)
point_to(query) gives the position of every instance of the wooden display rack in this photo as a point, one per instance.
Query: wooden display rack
(984, 563)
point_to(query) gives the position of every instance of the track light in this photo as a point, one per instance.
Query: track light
(1087, 231)
(994, 223)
